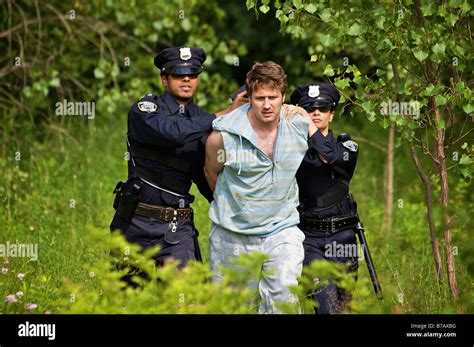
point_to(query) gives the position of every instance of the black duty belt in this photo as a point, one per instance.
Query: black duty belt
(332, 225)
(163, 213)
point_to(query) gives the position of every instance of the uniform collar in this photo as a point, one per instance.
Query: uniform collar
(330, 135)
(191, 107)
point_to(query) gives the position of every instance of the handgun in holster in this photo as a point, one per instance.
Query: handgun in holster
(127, 198)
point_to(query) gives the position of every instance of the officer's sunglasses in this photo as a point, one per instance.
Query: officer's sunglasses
(320, 109)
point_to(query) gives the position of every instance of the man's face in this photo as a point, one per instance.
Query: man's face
(266, 103)
(321, 117)
(182, 87)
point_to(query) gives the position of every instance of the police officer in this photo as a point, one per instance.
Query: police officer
(166, 147)
(327, 210)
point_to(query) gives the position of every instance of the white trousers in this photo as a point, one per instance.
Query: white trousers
(279, 271)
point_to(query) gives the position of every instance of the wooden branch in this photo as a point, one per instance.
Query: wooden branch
(369, 142)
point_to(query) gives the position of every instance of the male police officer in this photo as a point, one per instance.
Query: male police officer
(327, 211)
(166, 146)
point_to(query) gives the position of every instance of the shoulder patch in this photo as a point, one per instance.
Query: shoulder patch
(351, 145)
(147, 106)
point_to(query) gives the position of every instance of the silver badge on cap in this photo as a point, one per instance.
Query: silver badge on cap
(313, 91)
(185, 53)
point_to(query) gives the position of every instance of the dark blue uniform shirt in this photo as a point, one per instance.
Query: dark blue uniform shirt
(181, 134)
(316, 178)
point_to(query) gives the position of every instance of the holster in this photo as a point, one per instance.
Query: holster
(353, 204)
(127, 197)
(118, 191)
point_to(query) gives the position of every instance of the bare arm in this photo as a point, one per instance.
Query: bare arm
(215, 158)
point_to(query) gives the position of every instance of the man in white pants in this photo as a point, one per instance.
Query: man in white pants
(251, 160)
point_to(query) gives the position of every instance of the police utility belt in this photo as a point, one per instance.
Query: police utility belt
(127, 203)
(332, 225)
(166, 214)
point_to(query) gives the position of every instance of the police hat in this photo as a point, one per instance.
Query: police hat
(180, 61)
(314, 95)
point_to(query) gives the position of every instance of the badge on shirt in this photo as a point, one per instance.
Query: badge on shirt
(147, 106)
(351, 145)
(313, 91)
(185, 53)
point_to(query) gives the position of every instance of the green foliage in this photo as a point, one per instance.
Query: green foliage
(58, 172)
(402, 40)
(102, 52)
(160, 290)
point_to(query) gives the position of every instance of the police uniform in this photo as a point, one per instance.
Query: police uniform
(166, 146)
(327, 211)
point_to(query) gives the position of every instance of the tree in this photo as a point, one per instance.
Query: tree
(98, 51)
(421, 85)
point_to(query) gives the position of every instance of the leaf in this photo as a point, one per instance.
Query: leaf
(355, 30)
(250, 4)
(428, 91)
(27, 91)
(328, 71)
(439, 49)
(98, 73)
(380, 22)
(230, 59)
(465, 160)
(371, 116)
(466, 7)
(455, 3)
(452, 19)
(440, 100)
(311, 8)
(326, 39)
(468, 108)
(186, 24)
(343, 83)
(342, 99)
(55, 82)
(441, 124)
(264, 8)
(427, 9)
(367, 106)
(325, 15)
(281, 17)
(298, 4)
(420, 54)
(115, 71)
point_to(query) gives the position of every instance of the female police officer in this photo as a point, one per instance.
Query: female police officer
(327, 211)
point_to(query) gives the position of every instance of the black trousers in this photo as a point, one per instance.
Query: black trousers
(325, 245)
(148, 232)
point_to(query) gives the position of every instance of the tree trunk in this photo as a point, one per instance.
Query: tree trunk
(441, 164)
(389, 181)
(429, 208)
